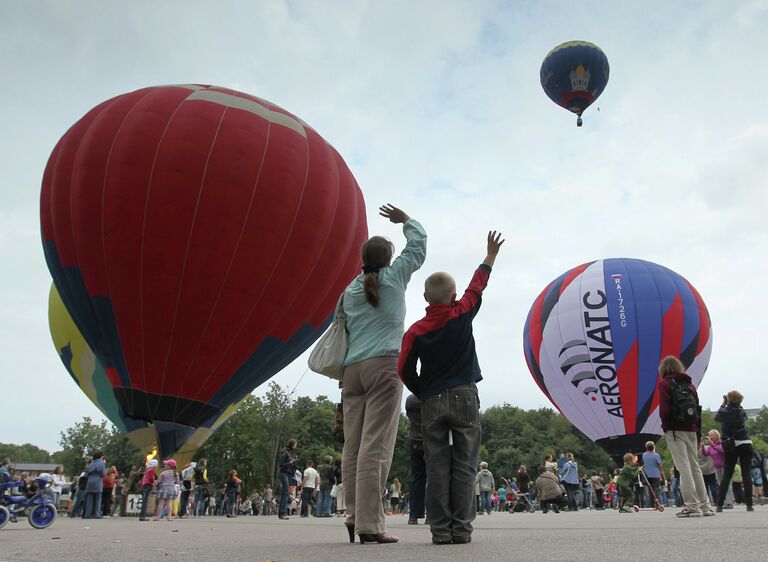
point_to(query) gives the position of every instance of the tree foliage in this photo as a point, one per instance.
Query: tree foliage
(82, 439)
(24, 453)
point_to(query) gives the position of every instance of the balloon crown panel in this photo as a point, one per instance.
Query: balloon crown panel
(595, 336)
(199, 237)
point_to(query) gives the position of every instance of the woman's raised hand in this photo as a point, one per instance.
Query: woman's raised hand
(394, 214)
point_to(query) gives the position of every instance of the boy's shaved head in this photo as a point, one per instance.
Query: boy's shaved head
(439, 288)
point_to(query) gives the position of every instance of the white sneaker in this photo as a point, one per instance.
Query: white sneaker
(689, 513)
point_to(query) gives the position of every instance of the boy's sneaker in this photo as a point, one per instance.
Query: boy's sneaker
(442, 540)
(462, 540)
(689, 513)
(750, 508)
(708, 513)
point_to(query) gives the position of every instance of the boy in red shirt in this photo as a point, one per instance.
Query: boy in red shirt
(444, 343)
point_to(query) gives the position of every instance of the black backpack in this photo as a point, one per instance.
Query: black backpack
(685, 407)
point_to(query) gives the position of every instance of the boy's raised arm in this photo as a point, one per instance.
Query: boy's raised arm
(471, 298)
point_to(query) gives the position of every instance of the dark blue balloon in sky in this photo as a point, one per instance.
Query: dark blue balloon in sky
(574, 74)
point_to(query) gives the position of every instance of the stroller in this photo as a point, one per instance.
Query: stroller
(520, 502)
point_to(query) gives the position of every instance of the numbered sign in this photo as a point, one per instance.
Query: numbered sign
(133, 504)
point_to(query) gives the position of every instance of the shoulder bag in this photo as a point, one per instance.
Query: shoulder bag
(327, 357)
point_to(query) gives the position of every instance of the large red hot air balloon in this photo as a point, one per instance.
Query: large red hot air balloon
(200, 238)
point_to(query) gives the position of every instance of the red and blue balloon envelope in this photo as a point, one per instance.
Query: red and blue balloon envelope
(199, 237)
(594, 339)
(574, 74)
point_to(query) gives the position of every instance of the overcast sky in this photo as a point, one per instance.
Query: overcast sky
(437, 108)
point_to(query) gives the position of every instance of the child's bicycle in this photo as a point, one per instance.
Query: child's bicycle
(39, 508)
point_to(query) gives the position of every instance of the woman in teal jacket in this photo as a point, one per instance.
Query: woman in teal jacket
(374, 304)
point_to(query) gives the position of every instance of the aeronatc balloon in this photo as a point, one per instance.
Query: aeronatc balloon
(594, 339)
(574, 74)
(88, 373)
(199, 237)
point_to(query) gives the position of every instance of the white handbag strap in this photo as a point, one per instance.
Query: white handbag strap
(340, 314)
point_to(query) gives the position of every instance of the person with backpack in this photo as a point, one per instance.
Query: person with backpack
(202, 490)
(681, 422)
(327, 482)
(736, 444)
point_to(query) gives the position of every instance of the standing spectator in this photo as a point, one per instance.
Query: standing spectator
(187, 474)
(286, 467)
(395, 496)
(147, 483)
(737, 483)
(560, 462)
(715, 450)
(737, 445)
(374, 304)
(707, 465)
(327, 481)
(232, 491)
(79, 503)
(340, 504)
(681, 422)
(202, 488)
(418, 479)
(586, 486)
(121, 490)
(502, 493)
(598, 488)
(56, 483)
(134, 480)
(523, 480)
(5, 471)
(267, 498)
(108, 483)
(166, 489)
(485, 482)
(654, 471)
(550, 465)
(94, 487)
(309, 485)
(674, 478)
(757, 481)
(569, 476)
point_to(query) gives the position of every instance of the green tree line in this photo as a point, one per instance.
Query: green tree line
(251, 439)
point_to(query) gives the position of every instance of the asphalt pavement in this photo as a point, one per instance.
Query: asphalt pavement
(585, 535)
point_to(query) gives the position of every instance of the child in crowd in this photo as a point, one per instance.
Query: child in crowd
(444, 344)
(625, 480)
(166, 489)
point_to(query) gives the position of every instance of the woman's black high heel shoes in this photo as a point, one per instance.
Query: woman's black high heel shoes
(380, 538)
(351, 531)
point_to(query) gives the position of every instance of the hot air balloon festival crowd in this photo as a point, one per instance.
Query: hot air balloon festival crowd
(200, 239)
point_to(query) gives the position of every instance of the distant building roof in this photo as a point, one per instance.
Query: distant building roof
(35, 466)
(753, 412)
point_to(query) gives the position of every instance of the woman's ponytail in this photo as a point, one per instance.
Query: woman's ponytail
(371, 288)
(376, 253)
